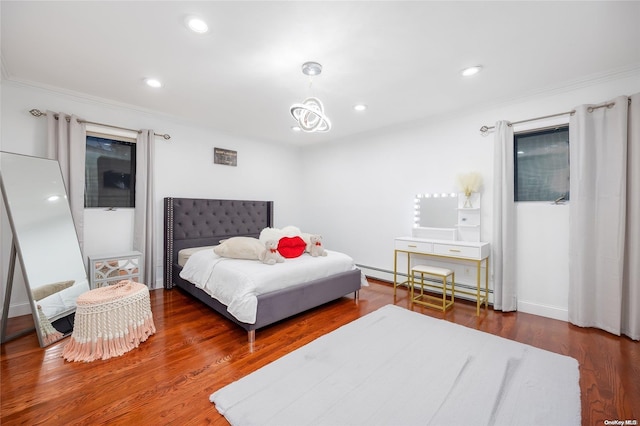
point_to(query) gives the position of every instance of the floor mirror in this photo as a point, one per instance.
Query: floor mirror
(44, 242)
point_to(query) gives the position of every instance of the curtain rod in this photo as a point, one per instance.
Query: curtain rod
(37, 113)
(485, 129)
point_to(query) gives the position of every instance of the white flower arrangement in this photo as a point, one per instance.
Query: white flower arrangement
(469, 182)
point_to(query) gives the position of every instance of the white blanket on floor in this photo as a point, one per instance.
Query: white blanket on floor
(398, 367)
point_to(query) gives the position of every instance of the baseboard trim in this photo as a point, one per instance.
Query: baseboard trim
(547, 311)
(19, 309)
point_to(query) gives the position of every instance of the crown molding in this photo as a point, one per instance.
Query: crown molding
(82, 97)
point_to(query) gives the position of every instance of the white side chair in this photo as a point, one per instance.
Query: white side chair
(442, 303)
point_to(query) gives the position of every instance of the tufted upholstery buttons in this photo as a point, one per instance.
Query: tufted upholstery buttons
(198, 218)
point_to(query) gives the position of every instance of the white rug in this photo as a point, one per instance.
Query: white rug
(397, 367)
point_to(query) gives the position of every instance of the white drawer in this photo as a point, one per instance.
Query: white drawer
(414, 246)
(457, 251)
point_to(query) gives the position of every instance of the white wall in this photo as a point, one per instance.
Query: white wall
(265, 171)
(359, 192)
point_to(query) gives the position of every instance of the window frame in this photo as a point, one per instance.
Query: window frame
(540, 131)
(128, 137)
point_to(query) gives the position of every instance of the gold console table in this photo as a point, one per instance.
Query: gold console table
(476, 253)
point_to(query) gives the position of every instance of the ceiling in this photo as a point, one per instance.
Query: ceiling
(402, 59)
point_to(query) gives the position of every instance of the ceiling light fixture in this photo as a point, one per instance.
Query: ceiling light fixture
(468, 72)
(197, 25)
(310, 113)
(360, 107)
(152, 82)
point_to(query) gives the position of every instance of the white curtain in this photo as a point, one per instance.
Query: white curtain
(504, 220)
(66, 142)
(143, 240)
(604, 230)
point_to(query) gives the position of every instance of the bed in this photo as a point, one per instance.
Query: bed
(193, 222)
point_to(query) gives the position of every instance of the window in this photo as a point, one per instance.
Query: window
(541, 165)
(110, 171)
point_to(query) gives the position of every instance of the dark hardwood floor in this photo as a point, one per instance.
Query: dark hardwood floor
(169, 378)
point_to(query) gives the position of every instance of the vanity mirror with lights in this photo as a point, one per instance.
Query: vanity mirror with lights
(447, 216)
(44, 242)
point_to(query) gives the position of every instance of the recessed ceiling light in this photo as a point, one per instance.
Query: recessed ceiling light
(360, 107)
(296, 128)
(197, 25)
(152, 82)
(467, 72)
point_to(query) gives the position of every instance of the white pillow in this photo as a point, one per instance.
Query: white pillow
(276, 234)
(240, 248)
(270, 234)
(291, 231)
(306, 237)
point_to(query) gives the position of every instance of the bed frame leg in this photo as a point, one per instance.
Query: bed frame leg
(251, 337)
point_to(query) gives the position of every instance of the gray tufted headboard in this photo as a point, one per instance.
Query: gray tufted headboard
(194, 222)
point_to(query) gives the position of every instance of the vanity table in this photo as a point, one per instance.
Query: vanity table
(474, 253)
(447, 229)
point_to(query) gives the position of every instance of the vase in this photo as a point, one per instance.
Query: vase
(467, 201)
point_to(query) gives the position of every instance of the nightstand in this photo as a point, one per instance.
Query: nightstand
(106, 270)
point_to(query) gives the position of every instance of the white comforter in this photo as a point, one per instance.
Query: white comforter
(236, 283)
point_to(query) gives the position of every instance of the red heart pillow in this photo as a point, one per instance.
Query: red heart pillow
(291, 247)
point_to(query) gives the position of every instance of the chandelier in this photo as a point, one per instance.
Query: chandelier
(310, 113)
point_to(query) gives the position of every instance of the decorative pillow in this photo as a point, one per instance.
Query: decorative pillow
(240, 248)
(291, 231)
(291, 247)
(307, 239)
(271, 234)
(275, 234)
(49, 289)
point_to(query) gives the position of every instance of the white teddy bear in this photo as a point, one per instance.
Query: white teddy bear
(270, 255)
(316, 249)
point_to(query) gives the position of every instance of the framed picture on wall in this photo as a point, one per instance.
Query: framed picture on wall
(226, 157)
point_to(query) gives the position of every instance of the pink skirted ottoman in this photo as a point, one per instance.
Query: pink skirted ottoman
(110, 321)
